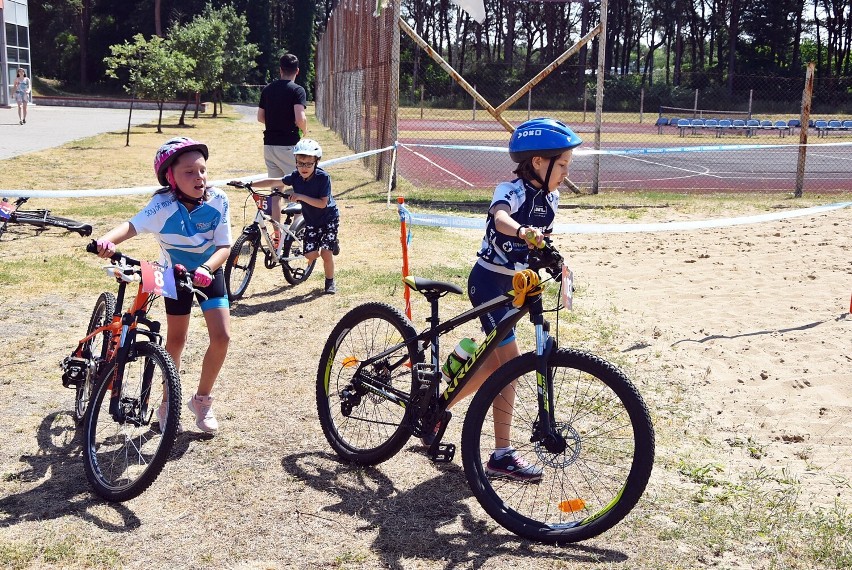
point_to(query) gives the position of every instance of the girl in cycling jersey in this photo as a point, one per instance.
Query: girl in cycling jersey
(191, 222)
(521, 215)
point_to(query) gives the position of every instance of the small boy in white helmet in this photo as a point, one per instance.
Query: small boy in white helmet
(312, 187)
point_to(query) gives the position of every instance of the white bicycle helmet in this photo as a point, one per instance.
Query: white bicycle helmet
(308, 147)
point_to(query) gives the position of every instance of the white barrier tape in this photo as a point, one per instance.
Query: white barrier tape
(150, 189)
(94, 193)
(660, 150)
(479, 223)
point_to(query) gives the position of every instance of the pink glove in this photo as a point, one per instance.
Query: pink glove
(202, 277)
(105, 248)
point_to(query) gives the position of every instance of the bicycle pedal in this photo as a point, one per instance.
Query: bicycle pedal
(426, 373)
(443, 452)
(75, 371)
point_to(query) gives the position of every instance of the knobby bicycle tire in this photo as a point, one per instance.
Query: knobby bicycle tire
(123, 458)
(296, 270)
(366, 426)
(240, 265)
(41, 220)
(598, 478)
(95, 349)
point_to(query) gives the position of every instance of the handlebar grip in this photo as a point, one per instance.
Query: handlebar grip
(530, 235)
(92, 247)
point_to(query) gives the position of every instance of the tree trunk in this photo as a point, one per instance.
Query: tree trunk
(158, 25)
(733, 32)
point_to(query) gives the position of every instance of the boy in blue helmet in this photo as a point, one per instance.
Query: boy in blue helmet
(521, 215)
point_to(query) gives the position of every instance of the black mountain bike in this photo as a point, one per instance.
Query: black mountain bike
(11, 214)
(257, 237)
(575, 416)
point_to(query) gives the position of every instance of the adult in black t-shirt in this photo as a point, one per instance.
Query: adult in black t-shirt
(282, 111)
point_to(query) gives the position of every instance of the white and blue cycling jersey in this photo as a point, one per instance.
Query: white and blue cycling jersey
(529, 206)
(186, 238)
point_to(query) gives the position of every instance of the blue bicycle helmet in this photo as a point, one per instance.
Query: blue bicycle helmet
(541, 137)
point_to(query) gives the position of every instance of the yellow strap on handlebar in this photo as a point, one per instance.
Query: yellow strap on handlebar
(525, 282)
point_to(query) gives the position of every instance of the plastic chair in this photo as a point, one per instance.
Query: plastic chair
(661, 122)
(724, 125)
(751, 126)
(794, 124)
(847, 125)
(834, 125)
(782, 128)
(682, 125)
(821, 127)
(696, 124)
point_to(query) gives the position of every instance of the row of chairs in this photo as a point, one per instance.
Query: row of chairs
(834, 126)
(721, 126)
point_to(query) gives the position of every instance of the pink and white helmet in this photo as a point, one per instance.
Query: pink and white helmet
(172, 149)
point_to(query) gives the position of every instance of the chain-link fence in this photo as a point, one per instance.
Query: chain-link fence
(651, 137)
(356, 85)
(642, 128)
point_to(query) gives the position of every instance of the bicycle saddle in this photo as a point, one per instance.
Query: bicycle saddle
(427, 286)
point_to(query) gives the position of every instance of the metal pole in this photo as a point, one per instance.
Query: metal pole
(695, 105)
(4, 80)
(422, 89)
(641, 103)
(529, 104)
(750, 96)
(599, 95)
(803, 129)
(474, 103)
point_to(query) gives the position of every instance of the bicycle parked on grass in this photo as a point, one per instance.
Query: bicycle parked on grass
(10, 212)
(575, 416)
(256, 236)
(126, 383)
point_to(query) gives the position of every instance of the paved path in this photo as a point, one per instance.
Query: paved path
(49, 126)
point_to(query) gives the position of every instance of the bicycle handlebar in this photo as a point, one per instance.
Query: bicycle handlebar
(548, 258)
(247, 186)
(183, 278)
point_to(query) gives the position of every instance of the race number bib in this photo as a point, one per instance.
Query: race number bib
(567, 288)
(263, 203)
(158, 279)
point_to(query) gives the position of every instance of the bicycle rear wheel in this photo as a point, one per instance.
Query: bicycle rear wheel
(589, 486)
(124, 455)
(240, 265)
(296, 270)
(95, 349)
(364, 410)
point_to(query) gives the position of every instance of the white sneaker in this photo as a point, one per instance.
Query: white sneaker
(202, 407)
(163, 414)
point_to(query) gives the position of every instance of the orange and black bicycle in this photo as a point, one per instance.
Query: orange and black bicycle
(127, 388)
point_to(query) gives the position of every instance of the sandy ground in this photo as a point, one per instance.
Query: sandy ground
(738, 337)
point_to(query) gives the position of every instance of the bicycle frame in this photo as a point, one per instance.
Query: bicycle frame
(261, 217)
(429, 375)
(123, 329)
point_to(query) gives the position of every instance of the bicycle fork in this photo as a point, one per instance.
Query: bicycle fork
(546, 431)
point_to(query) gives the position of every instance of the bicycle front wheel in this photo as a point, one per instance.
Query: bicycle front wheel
(595, 472)
(298, 269)
(364, 409)
(123, 453)
(95, 349)
(240, 265)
